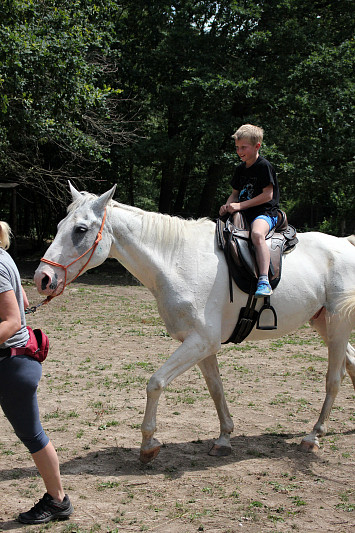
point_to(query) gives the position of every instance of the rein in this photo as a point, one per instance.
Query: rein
(65, 267)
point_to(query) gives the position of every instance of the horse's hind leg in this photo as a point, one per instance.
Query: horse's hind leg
(350, 362)
(335, 333)
(320, 325)
(209, 369)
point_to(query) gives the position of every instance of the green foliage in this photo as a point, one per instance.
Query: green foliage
(203, 68)
(79, 81)
(57, 113)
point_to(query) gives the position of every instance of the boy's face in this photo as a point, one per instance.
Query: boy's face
(247, 151)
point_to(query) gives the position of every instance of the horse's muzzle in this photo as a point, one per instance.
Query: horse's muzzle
(46, 281)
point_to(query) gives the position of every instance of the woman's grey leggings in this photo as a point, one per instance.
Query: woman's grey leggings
(19, 378)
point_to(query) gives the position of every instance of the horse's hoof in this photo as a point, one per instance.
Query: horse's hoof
(309, 447)
(220, 451)
(148, 456)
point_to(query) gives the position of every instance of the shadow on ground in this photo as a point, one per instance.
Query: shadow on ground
(178, 458)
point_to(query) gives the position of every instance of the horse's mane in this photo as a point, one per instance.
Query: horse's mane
(163, 229)
(79, 201)
(160, 228)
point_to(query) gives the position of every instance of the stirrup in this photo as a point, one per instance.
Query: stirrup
(267, 307)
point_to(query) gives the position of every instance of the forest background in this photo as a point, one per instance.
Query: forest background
(148, 94)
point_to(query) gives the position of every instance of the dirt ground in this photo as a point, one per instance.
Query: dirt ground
(106, 341)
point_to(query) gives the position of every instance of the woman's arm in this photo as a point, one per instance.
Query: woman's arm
(9, 315)
(26, 303)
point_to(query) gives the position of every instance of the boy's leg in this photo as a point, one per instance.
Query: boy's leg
(259, 229)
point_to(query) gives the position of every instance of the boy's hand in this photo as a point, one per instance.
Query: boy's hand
(223, 210)
(234, 206)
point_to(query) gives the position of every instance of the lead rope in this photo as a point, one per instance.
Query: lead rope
(65, 267)
(34, 308)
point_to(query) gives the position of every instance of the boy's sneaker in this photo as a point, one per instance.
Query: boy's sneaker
(47, 509)
(263, 288)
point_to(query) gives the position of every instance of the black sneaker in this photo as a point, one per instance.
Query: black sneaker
(46, 510)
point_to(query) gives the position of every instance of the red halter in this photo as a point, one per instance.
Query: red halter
(65, 267)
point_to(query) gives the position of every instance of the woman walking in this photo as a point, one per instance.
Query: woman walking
(19, 378)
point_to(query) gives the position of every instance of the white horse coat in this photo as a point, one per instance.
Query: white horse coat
(180, 263)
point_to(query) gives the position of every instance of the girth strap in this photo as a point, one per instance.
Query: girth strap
(246, 321)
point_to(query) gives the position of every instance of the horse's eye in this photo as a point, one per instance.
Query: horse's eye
(81, 229)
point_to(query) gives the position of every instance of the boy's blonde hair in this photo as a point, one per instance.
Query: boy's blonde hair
(5, 233)
(253, 133)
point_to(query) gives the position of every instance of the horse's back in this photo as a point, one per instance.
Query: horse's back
(318, 246)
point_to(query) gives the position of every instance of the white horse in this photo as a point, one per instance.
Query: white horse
(180, 263)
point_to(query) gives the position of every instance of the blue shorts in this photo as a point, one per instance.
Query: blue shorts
(19, 377)
(272, 221)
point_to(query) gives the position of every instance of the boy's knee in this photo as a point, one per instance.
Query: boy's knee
(257, 237)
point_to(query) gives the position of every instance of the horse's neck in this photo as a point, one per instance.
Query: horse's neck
(140, 243)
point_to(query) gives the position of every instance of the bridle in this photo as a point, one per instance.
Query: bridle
(65, 267)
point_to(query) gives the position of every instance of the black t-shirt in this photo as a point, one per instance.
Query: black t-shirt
(251, 181)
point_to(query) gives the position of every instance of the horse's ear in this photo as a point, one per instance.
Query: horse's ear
(75, 194)
(103, 200)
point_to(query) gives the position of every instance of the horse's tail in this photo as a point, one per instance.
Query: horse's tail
(351, 239)
(346, 306)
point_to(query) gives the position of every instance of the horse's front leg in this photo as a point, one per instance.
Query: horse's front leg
(189, 353)
(150, 446)
(210, 371)
(336, 333)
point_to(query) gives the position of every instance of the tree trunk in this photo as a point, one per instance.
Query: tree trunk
(207, 201)
(185, 175)
(168, 165)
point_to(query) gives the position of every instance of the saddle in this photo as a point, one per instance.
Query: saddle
(234, 239)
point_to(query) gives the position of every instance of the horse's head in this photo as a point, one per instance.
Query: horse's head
(83, 241)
